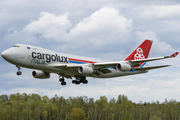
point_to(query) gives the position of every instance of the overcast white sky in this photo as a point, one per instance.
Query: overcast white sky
(105, 29)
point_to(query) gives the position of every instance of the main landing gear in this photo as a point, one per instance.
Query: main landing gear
(79, 80)
(62, 81)
(82, 79)
(18, 72)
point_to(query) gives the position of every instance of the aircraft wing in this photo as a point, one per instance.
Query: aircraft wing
(75, 67)
(103, 66)
(133, 63)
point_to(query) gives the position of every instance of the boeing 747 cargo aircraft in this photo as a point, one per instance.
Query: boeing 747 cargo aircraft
(71, 66)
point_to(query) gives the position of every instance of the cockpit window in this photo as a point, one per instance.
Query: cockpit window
(15, 45)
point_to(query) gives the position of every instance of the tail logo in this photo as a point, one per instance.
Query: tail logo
(139, 55)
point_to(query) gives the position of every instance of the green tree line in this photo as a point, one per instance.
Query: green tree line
(34, 107)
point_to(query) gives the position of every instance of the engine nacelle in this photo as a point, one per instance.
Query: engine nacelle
(123, 67)
(85, 70)
(40, 74)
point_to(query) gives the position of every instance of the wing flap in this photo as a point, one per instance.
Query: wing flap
(66, 65)
(152, 67)
(104, 71)
(71, 67)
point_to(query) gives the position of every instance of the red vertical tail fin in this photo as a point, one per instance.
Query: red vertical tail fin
(141, 52)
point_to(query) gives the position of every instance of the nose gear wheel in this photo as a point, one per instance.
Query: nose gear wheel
(18, 72)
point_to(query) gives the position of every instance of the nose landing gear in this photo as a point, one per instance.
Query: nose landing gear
(18, 72)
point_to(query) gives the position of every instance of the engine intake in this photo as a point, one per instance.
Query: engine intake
(40, 74)
(123, 67)
(85, 70)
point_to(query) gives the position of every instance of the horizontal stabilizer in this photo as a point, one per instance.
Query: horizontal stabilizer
(175, 54)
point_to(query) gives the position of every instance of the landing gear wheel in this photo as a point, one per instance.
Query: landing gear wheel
(63, 83)
(61, 80)
(19, 73)
(77, 82)
(73, 81)
(85, 82)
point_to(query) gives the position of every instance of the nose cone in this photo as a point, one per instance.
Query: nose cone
(4, 54)
(8, 55)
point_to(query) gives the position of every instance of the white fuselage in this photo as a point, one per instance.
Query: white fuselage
(42, 59)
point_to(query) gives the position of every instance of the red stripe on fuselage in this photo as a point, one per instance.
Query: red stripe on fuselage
(81, 60)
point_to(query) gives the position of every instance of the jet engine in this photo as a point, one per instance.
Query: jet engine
(85, 70)
(123, 67)
(40, 74)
